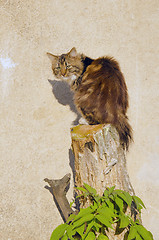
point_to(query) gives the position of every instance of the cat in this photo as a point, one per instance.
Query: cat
(100, 91)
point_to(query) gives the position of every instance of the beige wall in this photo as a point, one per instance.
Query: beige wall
(35, 125)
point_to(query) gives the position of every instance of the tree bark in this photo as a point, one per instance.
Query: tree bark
(99, 158)
(100, 161)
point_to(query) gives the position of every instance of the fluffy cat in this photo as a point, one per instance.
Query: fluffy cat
(100, 92)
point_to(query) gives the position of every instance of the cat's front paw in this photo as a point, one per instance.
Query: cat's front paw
(83, 121)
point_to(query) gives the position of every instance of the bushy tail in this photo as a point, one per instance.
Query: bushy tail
(125, 131)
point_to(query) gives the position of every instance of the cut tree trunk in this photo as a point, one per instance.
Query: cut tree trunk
(99, 158)
(100, 161)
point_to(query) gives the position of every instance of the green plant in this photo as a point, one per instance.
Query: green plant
(104, 213)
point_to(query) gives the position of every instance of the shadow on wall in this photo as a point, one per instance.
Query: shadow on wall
(72, 165)
(64, 96)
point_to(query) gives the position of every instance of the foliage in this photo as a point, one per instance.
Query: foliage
(104, 213)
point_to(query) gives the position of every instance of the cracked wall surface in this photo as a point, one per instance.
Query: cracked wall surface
(36, 114)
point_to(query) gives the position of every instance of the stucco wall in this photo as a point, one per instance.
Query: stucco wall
(35, 122)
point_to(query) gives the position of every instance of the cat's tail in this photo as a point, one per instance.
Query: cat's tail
(125, 131)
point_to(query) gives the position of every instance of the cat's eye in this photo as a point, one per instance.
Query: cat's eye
(56, 70)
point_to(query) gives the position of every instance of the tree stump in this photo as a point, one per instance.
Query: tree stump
(100, 161)
(99, 158)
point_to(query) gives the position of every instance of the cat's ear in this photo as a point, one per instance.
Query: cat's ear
(73, 52)
(52, 57)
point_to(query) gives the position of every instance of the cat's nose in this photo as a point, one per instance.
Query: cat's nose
(63, 72)
(63, 69)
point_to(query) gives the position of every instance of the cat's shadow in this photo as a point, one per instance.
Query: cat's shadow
(64, 96)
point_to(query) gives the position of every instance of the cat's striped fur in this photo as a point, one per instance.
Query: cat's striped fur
(100, 92)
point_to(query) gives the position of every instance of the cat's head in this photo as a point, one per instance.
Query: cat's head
(67, 67)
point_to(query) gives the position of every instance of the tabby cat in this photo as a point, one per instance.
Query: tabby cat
(100, 92)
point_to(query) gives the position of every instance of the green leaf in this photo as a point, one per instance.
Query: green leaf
(106, 193)
(80, 229)
(138, 237)
(102, 237)
(90, 189)
(143, 232)
(85, 218)
(64, 237)
(117, 191)
(89, 227)
(90, 236)
(97, 226)
(82, 189)
(84, 195)
(110, 190)
(71, 217)
(71, 203)
(95, 205)
(111, 197)
(110, 204)
(70, 232)
(119, 202)
(124, 221)
(122, 196)
(59, 232)
(83, 212)
(104, 220)
(151, 235)
(97, 198)
(132, 233)
(128, 197)
(139, 203)
(107, 212)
